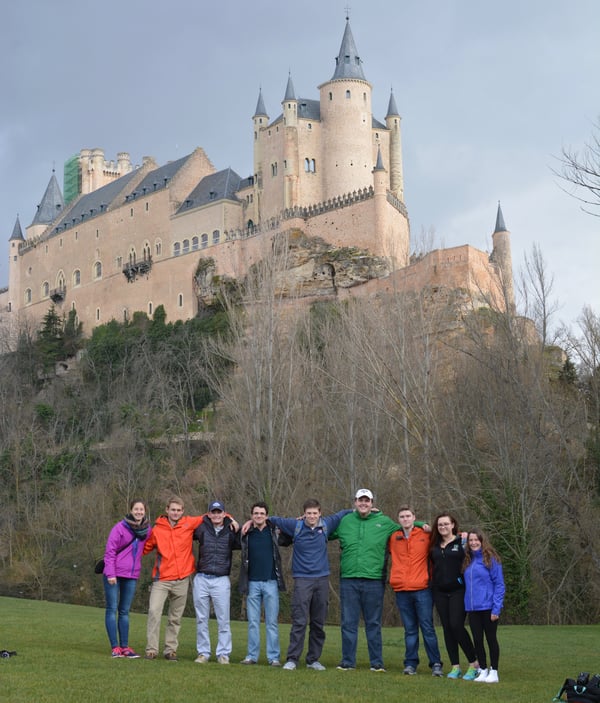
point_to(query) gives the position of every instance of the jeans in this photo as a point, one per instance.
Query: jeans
(176, 591)
(263, 593)
(118, 600)
(310, 603)
(416, 609)
(217, 589)
(361, 596)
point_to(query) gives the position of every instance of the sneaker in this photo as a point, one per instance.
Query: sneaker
(202, 659)
(223, 659)
(289, 665)
(316, 666)
(436, 670)
(274, 662)
(481, 676)
(492, 676)
(247, 660)
(455, 673)
(409, 670)
(116, 652)
(171, 656)
(378, 669)
(471, 674)
(129, 653)
(150, 655)
(345, 667)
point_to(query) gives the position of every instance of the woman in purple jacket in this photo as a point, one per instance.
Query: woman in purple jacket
(122, 565)
(484, 597)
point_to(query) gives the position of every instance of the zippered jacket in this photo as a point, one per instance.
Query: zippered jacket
(173, 544)
(215, 548)
(484, 587)
(243, 581)
(410, 560)
(447, 566)
(364, 544)
(126, 563)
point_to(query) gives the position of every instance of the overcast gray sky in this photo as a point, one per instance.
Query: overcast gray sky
(489, 93)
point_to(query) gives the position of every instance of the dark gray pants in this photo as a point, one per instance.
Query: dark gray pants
(309, 607)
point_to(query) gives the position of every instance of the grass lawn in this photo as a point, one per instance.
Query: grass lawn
(64, 656)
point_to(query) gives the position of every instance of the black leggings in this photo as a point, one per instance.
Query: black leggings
(481, 622)
(451, 609)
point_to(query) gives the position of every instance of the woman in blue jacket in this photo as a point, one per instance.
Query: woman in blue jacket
(484, 597)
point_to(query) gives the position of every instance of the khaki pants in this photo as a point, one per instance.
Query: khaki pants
(176, 592)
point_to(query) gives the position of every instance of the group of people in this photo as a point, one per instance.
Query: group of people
(428, 566)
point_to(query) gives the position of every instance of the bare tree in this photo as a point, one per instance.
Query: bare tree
(581, 171)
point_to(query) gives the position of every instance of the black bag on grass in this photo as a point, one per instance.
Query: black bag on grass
(583, 689)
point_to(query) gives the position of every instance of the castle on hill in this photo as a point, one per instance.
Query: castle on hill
(127, 238)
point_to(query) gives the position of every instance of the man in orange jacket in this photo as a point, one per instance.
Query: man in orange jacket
(409, 577)
(172, 537)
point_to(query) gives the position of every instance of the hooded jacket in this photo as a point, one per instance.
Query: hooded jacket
(484, 586)
(126, 563)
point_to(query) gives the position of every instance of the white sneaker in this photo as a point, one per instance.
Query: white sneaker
(482, 676)
(317, 666)
(492, 676)
(289, 666)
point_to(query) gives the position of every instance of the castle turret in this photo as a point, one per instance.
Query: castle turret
(290, 145)
(392, 122)
(50, 207)
(346, 119)
(502, 257)
(14, 280)
(260, 120)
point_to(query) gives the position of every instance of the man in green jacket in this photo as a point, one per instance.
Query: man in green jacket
(363, 536)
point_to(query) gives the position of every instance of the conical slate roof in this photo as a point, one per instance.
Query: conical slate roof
(500, 226)
(290, 93)
(392, 110)
(348, 63)
(52, 204)
(17, 232)
(260, 106)
(379, 165)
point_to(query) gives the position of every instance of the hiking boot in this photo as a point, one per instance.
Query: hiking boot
(316, 666)
(436, 670)
(455, 673)
(171, 656)
(409, 670)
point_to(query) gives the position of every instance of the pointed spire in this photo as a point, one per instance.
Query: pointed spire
(260, 105)
(392, 110)
(348, 63)
(17, 232)
(379, 164)
(500, 226)
(52, 203)
(290, 93)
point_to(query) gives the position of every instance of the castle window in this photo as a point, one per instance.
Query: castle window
(194, 243)
(119, 262)
(313, 166)
(60, 242)
(365, 97)
(158, 247)
(147, 207)
(97, 270)
(28, 296)
(176, 249)
(131, 212)
(330, 96)
(132, 256)
(97, 314)
(347, 95)
(150, 308)
(45, 289)
(186, 246)
(347, 59)
(255, 135)
(125, 315)
(76, 236)
(307, 165)
(97, 233)
(285, 163)
(204, 240)
(77, 277)
(180, 300)
(274, 169)
(216, 236)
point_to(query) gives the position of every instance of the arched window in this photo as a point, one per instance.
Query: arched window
(147, 251)
(216, 236)
(60, 281)
(313, 166)
(28, 296)
(186, 246)
(307, 165)
(204, 240)
(97, 270)
(77, 277)
(176, 249)
(132, 256)
(195, 243)
(45, 289)
(274, 169)
(347, 95)
(158, 247)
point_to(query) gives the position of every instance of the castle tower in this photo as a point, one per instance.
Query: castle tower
(290, 145)
(392, 122)
(260, 120)
(346, 123)
(48, 210)
(502, 257)
(14, 270)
